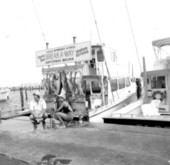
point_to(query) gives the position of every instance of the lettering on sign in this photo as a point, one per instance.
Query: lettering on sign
(65, 54)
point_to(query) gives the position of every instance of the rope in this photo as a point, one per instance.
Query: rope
(164, 51)
(38, 19)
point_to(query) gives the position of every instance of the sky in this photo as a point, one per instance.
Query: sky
(27, 25)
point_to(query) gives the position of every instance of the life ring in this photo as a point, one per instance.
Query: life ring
(158, 95)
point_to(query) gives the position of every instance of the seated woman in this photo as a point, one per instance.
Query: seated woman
(63, 111)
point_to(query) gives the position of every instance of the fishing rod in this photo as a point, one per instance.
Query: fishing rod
(40, 26)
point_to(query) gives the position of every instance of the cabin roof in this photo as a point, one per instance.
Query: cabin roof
(162, 72)
(161, 42)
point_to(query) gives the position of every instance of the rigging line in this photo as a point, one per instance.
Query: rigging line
(38, 19)
(165, 52)
(133, 35)
(95, 22)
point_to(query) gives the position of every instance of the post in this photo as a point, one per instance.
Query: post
(22, 98)
(0, 116)
(103, 89)
(145, 80)
(132, 72)
(74, 40)
(26, 96)
(47, 45)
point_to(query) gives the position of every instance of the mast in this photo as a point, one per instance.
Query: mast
(136, 49)
(145, 80)
(109, 77)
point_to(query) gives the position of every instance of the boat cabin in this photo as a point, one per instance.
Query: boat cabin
(86, 79)
(158, 79)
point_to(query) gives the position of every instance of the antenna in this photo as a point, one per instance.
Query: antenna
(38, 19)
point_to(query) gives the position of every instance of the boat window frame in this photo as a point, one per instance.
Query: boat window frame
(119, 84)
(156, 86)
(92, 92)
(113, 89)
(127, 79)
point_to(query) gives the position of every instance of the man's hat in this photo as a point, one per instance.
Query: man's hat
(37, 93)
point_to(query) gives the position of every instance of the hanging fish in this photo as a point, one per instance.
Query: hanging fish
(57, 83)
(75, 88)
(78, 81)
(69, 81)
(51, 83)
(45, 84)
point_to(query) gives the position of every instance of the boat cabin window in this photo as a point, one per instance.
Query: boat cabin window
(158, 82)
(127, 82)
(93, 52)
(114, 85)
(96, 87)
(92, 63)
(121, 82)
(86, 87)
(100, 55)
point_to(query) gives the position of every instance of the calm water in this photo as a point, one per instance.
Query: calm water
(5, 160)
(14, 102)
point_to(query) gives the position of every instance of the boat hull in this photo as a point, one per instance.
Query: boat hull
(150, 122)
(4, 95)
(97, 116)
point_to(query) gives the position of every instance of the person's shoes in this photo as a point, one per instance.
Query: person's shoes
(62, 126)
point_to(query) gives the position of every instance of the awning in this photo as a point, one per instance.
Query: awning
(161, 42)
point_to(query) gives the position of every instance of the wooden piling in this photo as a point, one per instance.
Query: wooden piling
(26, 96)
(22, 98)
(0, 117)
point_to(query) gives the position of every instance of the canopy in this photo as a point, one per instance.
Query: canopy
(161, 42)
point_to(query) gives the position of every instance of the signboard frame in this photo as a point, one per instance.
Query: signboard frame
(65, 54)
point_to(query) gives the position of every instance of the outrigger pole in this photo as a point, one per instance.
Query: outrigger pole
(133, 36)
(109, 77)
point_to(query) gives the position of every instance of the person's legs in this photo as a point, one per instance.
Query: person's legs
(61, 117)
(34, 121)
(44, 117)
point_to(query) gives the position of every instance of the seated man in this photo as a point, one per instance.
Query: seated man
(63, 111)
(38, 108)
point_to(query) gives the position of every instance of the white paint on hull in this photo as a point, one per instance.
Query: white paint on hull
(97, 115)
(4, 94)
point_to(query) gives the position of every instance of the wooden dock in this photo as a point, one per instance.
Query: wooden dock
(86, 144)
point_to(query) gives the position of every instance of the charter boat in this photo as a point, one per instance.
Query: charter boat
(4, 94)
(92, 79)
(154, 108)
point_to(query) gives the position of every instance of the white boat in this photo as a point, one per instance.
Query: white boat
(95, 83)
(4, 94)
(155, 105)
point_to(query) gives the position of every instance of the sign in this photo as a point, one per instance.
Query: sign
(63, 55)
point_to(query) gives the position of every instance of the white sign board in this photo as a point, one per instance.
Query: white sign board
(64, 54)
